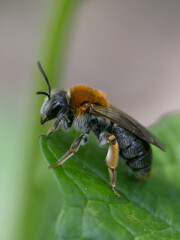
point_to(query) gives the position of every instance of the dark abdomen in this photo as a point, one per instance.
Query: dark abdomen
(135, 151)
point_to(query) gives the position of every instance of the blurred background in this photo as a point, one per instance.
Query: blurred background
(129, 49)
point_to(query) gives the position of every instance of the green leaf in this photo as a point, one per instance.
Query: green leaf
(90, 210)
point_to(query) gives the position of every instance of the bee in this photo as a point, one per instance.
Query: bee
(88, 109)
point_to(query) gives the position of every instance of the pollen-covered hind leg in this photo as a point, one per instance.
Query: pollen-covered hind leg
(74, 148)
(112, 161)
(111, 158)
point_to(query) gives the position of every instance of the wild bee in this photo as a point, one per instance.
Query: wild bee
(88, 109)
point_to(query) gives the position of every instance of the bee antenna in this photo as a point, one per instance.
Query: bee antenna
(45, 93)
(46, 79)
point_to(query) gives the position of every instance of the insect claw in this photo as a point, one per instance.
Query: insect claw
(42, 135)
(117, 194)
(50, 166)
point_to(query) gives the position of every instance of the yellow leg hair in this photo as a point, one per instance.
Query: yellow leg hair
(112, 161)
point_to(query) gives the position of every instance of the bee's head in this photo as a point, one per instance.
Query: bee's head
(55, 104)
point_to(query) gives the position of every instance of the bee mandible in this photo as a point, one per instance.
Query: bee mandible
(88, 109)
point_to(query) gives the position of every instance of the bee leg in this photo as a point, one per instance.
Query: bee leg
(112, 161)
(74, 148)
(112, 175)
(56, 125)
(52, 129)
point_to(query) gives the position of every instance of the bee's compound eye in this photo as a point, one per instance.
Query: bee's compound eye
(55, 109)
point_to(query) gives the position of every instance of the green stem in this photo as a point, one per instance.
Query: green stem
(53, 48)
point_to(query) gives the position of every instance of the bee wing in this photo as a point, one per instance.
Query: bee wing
(124, 120)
